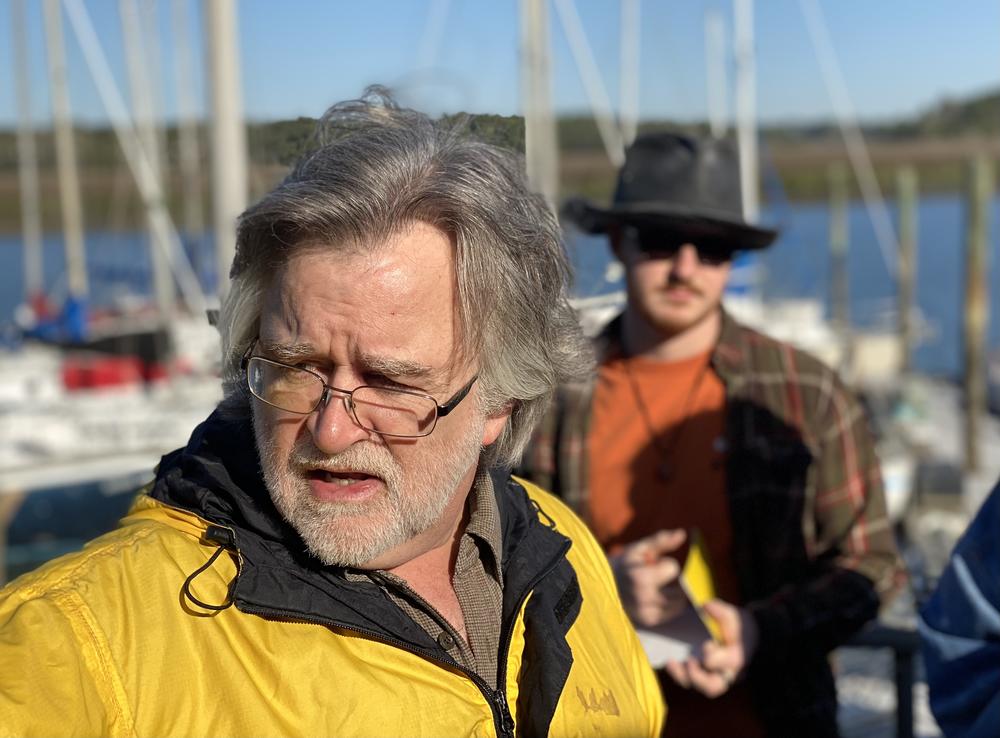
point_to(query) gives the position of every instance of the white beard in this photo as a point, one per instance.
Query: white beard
(353, 533)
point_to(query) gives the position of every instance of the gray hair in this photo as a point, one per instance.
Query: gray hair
(378, 167)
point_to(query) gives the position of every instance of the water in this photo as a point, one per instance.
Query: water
(798, 265)
(118, 266)
(53, 522)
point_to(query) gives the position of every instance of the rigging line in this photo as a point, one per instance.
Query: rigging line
(857, 151)
(135, 155)
(629, 49)
(611, 135)
(430, 40)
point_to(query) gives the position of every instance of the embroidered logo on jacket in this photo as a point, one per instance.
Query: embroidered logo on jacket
(606, 703)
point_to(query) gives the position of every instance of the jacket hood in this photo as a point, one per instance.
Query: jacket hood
(218, 477)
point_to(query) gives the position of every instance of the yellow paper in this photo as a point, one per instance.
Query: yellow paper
(698, 583)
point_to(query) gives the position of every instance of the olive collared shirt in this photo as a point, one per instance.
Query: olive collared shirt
(478, 583)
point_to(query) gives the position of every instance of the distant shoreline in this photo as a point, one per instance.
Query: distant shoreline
(795, 162)
(111, 201)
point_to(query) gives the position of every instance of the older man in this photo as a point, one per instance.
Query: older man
(337, 551)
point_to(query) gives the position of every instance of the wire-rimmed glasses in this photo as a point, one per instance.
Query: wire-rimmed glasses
(388, 411)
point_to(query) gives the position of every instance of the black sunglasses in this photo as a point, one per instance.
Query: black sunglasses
(662, 243)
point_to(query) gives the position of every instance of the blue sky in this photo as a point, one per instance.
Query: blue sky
(297, 56)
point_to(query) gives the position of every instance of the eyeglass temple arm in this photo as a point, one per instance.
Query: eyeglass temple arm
(247, 354)
(443, 410)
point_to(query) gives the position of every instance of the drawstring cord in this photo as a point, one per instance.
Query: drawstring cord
(225, 538)
(546, 520)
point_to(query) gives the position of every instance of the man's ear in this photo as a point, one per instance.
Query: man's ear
(495, 423)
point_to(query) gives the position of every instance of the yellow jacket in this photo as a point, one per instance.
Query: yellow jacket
(109, 641)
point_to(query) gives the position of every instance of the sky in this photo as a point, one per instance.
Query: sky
(897, 57)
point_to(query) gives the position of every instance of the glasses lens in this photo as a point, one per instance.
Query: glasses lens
(715, 253)
(394, 412)
(664, 244)
(655, 243)
(285, 387)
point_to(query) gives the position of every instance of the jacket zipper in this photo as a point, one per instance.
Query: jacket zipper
(506, 725)
(496, 698)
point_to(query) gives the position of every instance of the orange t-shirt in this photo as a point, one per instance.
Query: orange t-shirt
(657, 452)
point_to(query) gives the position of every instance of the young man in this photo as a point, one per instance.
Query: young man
(695, 422)
(338, 550)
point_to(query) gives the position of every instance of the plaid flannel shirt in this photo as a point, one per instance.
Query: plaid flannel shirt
(813, 544)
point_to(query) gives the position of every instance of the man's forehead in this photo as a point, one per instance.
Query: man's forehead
(397, 366)
(393, 306)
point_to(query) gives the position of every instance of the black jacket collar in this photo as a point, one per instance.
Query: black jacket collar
(218, 477)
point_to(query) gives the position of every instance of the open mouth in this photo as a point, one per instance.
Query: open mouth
(341, 478)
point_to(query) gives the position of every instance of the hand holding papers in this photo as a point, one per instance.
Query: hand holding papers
(702, 642)
(646, 572)
(682, 634)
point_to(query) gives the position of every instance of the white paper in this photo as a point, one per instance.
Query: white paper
(676, 639)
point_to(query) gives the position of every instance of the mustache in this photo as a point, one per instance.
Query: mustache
(674, 281)
(359, 458)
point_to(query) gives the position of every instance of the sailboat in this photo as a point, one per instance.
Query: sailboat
(93, 393)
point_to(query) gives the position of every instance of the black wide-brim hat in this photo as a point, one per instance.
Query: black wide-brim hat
(686, 185)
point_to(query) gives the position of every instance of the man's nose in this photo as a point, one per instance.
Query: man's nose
(685, 262)
(332, 425)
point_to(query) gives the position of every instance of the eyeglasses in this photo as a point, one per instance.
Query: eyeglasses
(660, 243)
(400, 413)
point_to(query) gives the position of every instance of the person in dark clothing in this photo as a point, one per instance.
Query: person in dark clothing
(960, 631)
(696, 422)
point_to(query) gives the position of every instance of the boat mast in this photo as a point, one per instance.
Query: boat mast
(540, 145)
(27, 160)
(189, 150)
(69, 181)
(142, 115)
(228, 133)
(715, 65)
(746, 108)
(152, 56)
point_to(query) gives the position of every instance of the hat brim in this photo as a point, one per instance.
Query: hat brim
(688, 221)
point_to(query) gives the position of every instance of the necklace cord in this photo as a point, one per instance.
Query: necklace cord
(665, 443)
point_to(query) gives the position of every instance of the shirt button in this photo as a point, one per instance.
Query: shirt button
(445, 640)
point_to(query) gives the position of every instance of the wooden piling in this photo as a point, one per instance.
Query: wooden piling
(906, 194)
(979, 194)
(840, 310)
